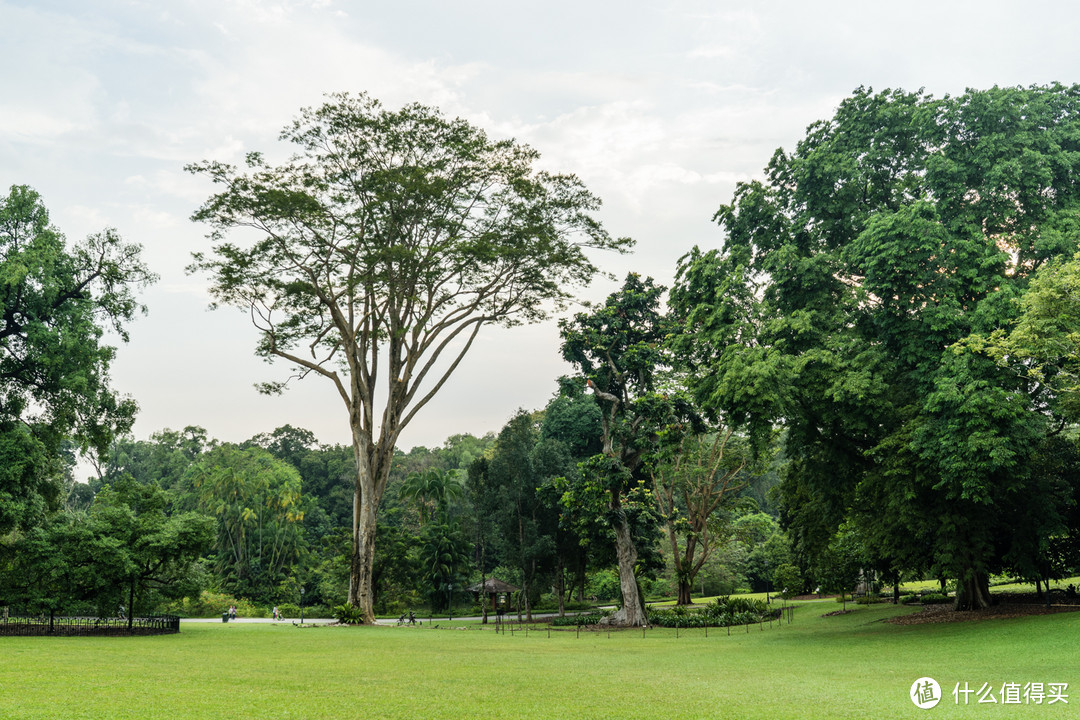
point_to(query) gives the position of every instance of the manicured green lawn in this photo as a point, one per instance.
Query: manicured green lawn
(845, 666)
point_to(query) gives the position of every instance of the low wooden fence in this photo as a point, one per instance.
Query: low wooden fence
(89, 626)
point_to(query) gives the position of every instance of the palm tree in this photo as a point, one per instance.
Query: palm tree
(432, 485)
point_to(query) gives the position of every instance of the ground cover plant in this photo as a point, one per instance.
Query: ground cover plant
(851, 665)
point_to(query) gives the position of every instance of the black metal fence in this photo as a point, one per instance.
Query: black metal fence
(89, 626)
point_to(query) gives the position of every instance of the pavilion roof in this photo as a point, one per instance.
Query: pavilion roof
(494, 585)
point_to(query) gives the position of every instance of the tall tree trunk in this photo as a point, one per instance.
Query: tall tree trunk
(528, 602)
(483, 591)
(373, 472)
(973, 591)
(631, 613)
(361, 594)
(684, 592)
(131, 606)
(681, 568)
(583, 560)
(560, 584)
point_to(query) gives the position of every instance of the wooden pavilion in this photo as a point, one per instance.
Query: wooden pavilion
(493, 587)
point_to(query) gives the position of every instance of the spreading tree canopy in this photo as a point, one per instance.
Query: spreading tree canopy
(849, 277)
(56, 302)
(379, 252)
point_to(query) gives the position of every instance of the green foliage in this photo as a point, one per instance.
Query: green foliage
(328, 473)
(163, 459)
(259, 507)
(788, 580)
(934, 599)
(724, 612)
(209, 604)
(433, 485)
(580, 619)
(859, 285)
(1044, 344)
(840, 566)
(573, 418)
(396, 569)
(56, 302)
(29, 478)
(603, 585)
(618, 348)
(128, 550)
(522, 523)
(695, 482)
(290, 610)
(739, 605)
(444, 561)
(348, 615)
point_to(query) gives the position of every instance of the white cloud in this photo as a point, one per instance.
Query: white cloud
(660, 108)
(33, 125)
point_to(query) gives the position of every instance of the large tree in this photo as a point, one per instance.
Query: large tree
(618, 347)
(380, 251)
(894, 230)
(525, 525)
(129, 549)
(694, 480)
(56, 303)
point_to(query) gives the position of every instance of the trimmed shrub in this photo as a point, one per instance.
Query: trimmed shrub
(934, 599)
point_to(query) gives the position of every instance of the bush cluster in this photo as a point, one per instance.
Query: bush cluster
(212, 604)
(289, 610)
(582, 619)
(722, 613)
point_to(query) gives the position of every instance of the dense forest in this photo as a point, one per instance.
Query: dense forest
(256, 521)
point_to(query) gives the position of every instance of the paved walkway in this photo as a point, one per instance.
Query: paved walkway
(268, 621)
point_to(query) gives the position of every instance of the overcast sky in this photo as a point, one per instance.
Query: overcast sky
(660, 107)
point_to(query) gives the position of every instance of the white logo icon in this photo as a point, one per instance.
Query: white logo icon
(925, 693)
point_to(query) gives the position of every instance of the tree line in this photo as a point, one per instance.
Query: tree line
(169, 517)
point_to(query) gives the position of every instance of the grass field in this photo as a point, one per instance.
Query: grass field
(829, 667)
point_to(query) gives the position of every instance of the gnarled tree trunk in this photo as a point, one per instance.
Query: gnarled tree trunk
(632, 613)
